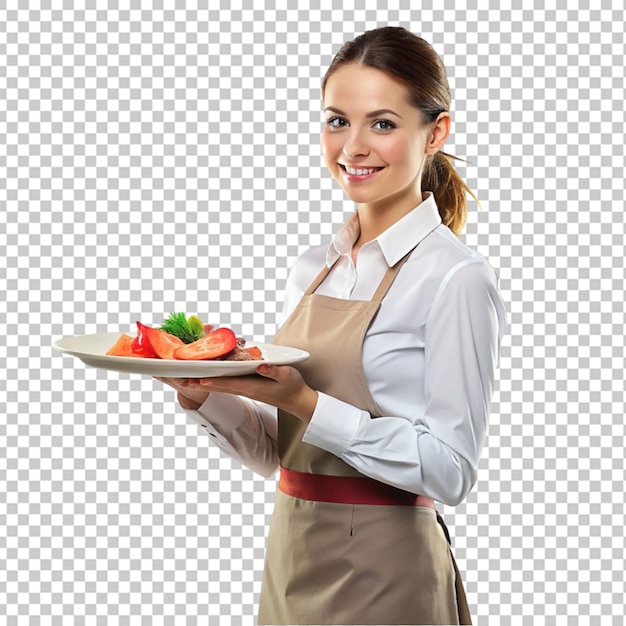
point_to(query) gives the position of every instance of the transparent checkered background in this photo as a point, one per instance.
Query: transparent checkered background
(157, 160)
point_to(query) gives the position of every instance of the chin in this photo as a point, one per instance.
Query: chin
(360, 198)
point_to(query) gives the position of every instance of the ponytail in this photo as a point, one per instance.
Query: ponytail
(449, 189)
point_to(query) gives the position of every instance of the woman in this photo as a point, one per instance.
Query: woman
(403, 323)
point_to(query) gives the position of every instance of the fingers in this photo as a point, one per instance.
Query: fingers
(271, 384)
(166, 381)
(279, 373)
(228, 384)
(275, 372)
(176, 383)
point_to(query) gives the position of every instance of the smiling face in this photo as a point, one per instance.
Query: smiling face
(375, 141)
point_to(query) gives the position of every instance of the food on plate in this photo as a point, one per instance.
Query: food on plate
(174, 340)
(187, 329)
(157, 343)
(213, 345)
(123, 347)
(241, 353)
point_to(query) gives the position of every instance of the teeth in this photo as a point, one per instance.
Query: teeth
(360, 172)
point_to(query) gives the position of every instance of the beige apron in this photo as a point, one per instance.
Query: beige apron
(330, 563)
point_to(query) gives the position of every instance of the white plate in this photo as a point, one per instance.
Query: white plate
(92, 350)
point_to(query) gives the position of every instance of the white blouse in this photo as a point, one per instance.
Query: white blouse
(429, 357)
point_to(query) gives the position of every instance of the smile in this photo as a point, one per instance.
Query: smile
(360, 171)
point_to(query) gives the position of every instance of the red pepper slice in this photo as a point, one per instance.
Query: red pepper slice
(162, 343)
(141, 345)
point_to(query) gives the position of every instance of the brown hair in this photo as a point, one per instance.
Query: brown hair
(412, 61)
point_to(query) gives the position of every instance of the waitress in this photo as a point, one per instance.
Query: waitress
(403, 323)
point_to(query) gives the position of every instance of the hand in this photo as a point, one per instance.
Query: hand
(190, 399)
(281, 386)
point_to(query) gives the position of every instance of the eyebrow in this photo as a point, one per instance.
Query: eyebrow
(376, 113)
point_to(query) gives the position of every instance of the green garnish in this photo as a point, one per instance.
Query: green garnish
(196, 325)
(188, 330)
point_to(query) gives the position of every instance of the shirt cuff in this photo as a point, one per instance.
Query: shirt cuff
(219, 416)
(333, 425)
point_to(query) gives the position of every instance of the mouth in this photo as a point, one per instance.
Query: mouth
(359, 173)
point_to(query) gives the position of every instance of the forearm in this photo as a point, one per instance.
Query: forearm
(242, 429)
(392, 450)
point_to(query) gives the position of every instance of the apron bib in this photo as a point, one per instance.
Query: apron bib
(337, 563)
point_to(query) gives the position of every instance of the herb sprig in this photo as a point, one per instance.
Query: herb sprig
(188, 330)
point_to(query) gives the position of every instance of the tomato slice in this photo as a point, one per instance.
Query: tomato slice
(123, 347)
(213, 345)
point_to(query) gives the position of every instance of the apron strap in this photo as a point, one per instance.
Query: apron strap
(318, 280)
(389, 277)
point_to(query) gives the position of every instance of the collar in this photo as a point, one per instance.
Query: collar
(397, 241)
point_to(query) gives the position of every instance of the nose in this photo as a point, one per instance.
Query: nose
(355, 147)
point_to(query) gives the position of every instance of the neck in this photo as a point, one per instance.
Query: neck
(375, 219)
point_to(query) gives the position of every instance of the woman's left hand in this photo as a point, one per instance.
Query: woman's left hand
(281, 386)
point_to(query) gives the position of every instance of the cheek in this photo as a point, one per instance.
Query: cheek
(327, 144)
(331, 149)
(396, 150)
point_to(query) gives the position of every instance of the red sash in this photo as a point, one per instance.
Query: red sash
(346, 490)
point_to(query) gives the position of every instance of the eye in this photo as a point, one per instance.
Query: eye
(383, 125)
(337, 122)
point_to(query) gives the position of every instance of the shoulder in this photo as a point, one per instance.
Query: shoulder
(463, 280)
(442, 264)
(441, 255)
(446, 250)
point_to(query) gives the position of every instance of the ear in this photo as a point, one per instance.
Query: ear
(439, 133)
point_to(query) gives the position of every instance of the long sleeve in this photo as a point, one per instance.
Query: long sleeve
(436, 452)
(242, 429)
